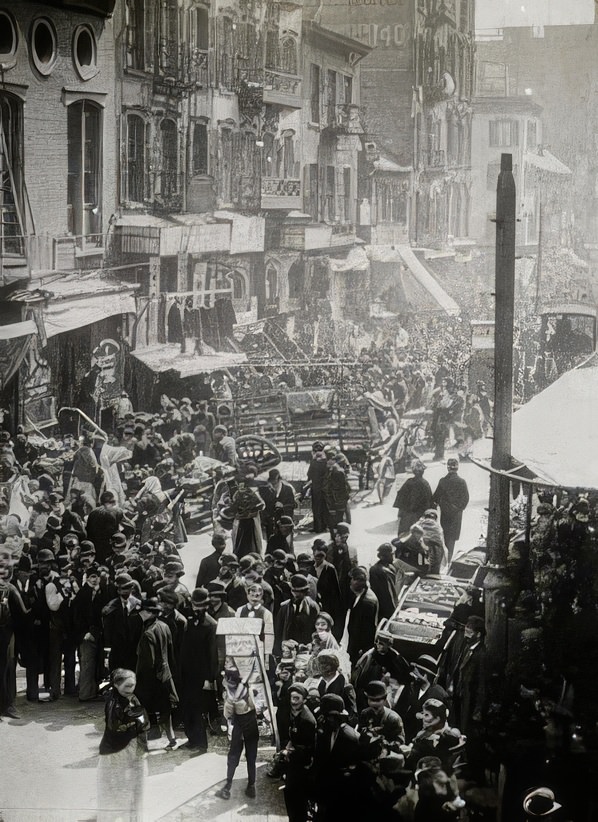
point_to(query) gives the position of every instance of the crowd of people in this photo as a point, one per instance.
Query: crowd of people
(93, 607)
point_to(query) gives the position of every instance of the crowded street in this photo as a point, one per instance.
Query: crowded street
(298, 396)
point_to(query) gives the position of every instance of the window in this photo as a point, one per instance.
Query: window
(288, 55)
(168, 42)
(331, 96)
(202, 31)
(11, 180)
(330, 195)
(238, 284)
(169, 176)
(311, 192)
(85, 55)
(200, 148)
(84, 138)
(315, 93)
(136, 151)
(44, 50)
(225, 165)
(267, 154)
(532, 134)
(295, 278)
(504, 133)
(271, 284)
(289, 157)
(8, 36)
(138, 29)
(347, 195)
(347, 89)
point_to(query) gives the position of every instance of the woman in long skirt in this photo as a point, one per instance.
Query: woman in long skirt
(122, 768)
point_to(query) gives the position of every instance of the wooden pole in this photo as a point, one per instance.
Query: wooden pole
(497, 582)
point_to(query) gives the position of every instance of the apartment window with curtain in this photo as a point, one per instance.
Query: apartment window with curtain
(289, 156)
(169, 175)
(136, 34)
(288, 55)
(84, 142)
(330, 195)
(168, 41)
(311, 191)
(347, 89)
(136, 158)
(504, 133)
(315, 79)
(11, 179)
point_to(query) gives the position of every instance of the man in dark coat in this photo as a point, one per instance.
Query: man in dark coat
(296, 618)
(87, 623)
(122, 625)
(277, 577)
(380, 720)
(279, 498)
(469, 692)
(315, 475)
(452, 497)
(336, 491)
(199, 671)
(382, 662)
(363, 615)
(422, 686)
(218, 606)
(385, 581)
(299, 754)
(102, 523)
(329, 592)
(413, 497)
(210, 565)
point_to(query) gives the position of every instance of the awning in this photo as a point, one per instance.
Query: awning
(14, 330)
(163, 357)
(554, 435)
(546, 162)
(425, 279)
(67, 315)
(356, 260)
(384, 164)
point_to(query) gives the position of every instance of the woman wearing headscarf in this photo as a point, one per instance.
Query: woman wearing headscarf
(122, 767)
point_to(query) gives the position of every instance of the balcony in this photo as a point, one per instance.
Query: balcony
(282, 89)
(195, 68)
(344, 118)
(433, 158)
(249, 86)
(318, 236)
(281, 193)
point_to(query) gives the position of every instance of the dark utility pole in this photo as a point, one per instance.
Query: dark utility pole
(496, 583)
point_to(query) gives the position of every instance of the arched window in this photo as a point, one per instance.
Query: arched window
(136, 158)
(288, 55)
(169, 181)
(296, 277)
(11, 188)
(271, 284)
(239, 285)
(84, 137)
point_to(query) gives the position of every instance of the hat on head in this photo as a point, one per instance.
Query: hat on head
(229, 559)
(279, 555)
(359, 573)
(436, 707)
(53, 523)
(70, 539)
(92, 569)
(332, 705)
(342, 528)
(215, 588)
(153, 605)
(385, 548)
(55, 497)
(118, 539)
(540, 802)
(375, 690)
(326, 617)
(123, 580)
(476, 623)
(319, 547)
(174, 568)
(427, 663)
(220, 429)
(417, 466)
(246, 563)
(200, 596)
(298, 688)
(286, 521)
(318, 445)
(169, 597)
(45, 555)
(428, 764)
(331, 656)
(304, 559)
(299, 583)
(24, 563)
(87, 547)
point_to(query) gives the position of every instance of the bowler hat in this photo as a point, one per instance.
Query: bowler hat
(215, 588)
(286, 521)
(123, 581)
(176, 568)
(332, 704)
(152, 605)
(304, 559)
(92, 570)
(229, 559)
(376, 689)
(169, 597)
(118, 539)
(279, 555)
(342, 528)
(200, 596)
(53, 523)
(427, 663)
(45, 555)
(299, 583)
(540, 802)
